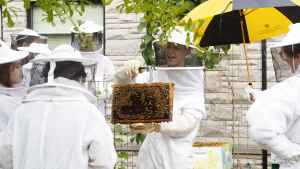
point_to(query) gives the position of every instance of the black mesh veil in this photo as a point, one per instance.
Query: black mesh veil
(96, 38)
(284, 60)
(19, 40)
(192, 60)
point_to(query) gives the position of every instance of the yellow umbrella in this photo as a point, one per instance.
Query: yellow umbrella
(243, 21)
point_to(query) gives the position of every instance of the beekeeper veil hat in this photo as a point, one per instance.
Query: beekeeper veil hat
(188, 78)
(284, 51)
(65, 62)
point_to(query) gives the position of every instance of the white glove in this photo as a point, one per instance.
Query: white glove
(180, 126)
(249, 92)
(144, 128)
(294, 157)
(132, 67)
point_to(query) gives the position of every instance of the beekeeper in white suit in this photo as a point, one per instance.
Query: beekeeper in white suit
(24, 39)
(169, 145)
(37, 50)
(105, 69)
(274, 117)
(12, 88)
(57, 126)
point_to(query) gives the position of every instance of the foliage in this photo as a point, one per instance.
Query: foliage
(160, 17)
(63, 9)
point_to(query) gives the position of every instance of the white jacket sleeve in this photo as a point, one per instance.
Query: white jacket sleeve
(102, 153)
(270, 117)
(6, 157)
(193, 112)
(121, 77)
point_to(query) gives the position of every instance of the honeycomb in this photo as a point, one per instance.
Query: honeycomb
(213, 144)
(142, 103)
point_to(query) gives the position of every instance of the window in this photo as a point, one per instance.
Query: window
(60, 34)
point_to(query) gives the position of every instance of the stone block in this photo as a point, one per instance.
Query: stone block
(244, 121)
(243, 75)
(111, 21)
(270, 64)
(139, 16)
(122, 47)
(217, 98)
(18, 21)
(118, 63)
(254, 56)
(117, 58)
(221, 113)
(136, 36)
(14, 29)
(111, 8)
(232, 79)
(111, 16)
(233, 56)
(6, 36)
(237, 132)
(129, 26)
(127, 18)
(117, 34)
(134, 31)
(212, 81)
(111, 26)
(210, 128)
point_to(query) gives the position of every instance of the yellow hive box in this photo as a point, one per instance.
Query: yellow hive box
(216, 155)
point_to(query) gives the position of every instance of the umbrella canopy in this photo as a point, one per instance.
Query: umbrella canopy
(262, 19)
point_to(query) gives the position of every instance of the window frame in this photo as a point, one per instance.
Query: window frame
(29, 19)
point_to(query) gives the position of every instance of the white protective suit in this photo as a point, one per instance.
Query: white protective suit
(57, 126)
(160, 151)
(274, 119)
(10, 99)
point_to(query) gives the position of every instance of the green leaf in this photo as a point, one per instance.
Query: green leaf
(71, 12)
(2, 2)
(148, 39)
(191, 5)
(141, 26)
(226, 48)
(108, 119)
(123, 133)
(237, 44)
(82, 6)
(122, 167)
(140, 138)
(90, 45)
(132, 139)
(26, 4)
(83, 43)
(208, 53)
(76, 36)
(128, 9)
(10, 23)
(218, 47)
(89, 2)
(76, 29)
(123, 155)
(141, 50)
(53, 24)
(118, 140)
(118, 128)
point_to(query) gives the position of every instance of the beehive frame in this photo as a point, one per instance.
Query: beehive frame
(134, 103)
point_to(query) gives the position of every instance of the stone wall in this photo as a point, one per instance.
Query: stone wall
(122, 38)
(20, 21)
(122, 44)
